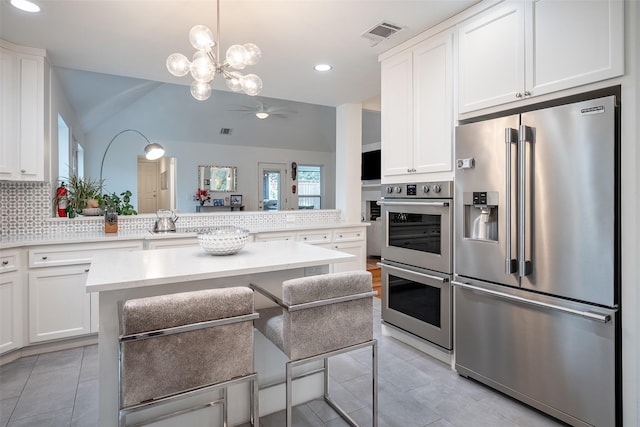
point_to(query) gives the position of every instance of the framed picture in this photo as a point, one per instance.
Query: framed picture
(236, 200)
(218, 202)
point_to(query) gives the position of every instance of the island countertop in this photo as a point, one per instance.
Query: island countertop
(128, 270)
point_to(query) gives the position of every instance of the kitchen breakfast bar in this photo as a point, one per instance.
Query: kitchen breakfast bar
(118, 277)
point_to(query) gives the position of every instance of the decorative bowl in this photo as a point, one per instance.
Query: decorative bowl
(223, 240)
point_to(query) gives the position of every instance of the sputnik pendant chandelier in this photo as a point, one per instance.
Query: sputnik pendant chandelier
(205, 64)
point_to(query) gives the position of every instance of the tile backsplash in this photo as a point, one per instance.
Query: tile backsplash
(26, 209)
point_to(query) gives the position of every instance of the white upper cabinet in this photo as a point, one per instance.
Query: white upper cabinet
(22, 113)
(525, 48)
(571, 43)
(417, 109)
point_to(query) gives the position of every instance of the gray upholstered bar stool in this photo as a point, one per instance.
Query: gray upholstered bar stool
(319, 317)
(183, 345)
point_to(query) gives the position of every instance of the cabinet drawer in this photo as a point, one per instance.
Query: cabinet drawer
(348, 234)
(173, 243)
(270, 237)
(314, 237)
(8, 262)
(73, 254)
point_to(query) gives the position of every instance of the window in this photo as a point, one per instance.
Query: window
(309, 187)
(65, 169)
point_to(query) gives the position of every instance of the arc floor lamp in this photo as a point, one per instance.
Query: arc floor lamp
(152, 150)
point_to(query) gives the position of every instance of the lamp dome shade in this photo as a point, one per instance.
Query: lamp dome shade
(153, 151)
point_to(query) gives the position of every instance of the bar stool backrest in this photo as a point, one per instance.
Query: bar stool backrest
(315, 330)
(170, 364)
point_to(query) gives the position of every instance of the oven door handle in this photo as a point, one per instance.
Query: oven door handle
(404, 270)
(436, 204)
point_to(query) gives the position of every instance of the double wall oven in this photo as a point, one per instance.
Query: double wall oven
(416, 259)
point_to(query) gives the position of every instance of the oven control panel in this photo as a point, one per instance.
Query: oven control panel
(422, 190)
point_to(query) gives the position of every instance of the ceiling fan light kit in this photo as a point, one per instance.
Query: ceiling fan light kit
(205, 64)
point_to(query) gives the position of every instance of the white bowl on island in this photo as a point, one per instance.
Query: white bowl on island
(223, 240)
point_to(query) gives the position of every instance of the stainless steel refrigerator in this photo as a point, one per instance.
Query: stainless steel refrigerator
(536, 287)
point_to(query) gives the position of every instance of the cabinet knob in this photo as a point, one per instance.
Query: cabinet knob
(23, 171)
(341, 235)
(5, 262)
(325, 237)
(305, 238)
(86, 270)
(527, 93)
(518, 95)
(44, 257)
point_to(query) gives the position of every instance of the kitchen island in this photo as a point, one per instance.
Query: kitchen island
(121, 276)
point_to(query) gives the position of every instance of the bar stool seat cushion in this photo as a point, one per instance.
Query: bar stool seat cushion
(312, 331)
(155, 368)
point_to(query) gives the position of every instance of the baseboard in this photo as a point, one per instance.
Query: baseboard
(48, 347)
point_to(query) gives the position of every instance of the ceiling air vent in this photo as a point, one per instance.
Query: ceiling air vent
(380, 32)
(225, 131)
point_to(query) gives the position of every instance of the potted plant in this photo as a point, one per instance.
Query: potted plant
(121, 203)
(83, 193)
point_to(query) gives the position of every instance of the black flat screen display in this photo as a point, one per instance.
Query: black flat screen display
(371, 165)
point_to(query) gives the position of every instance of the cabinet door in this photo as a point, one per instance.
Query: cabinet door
(573, 43)
(353, 248)
(433, 109)
(8, 113)
(397, 114)
(491, 57)
(23, 102)
(59, 307)
(10, 312)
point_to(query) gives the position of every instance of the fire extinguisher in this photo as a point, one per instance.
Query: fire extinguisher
(61, 195)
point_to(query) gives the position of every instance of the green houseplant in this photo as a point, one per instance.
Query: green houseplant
(83, 193)
(122, 202)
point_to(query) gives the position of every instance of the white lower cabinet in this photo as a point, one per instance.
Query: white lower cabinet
(354, 248)
(59, 307)
(10, 311)
(11, 301)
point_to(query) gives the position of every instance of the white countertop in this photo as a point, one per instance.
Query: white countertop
(126, 270)
(8, 242)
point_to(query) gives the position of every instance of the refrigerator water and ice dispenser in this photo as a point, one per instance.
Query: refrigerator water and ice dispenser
(481, 215)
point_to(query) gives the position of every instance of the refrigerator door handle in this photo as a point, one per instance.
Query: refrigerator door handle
(591, 315)
(524, 266)
(510, 137)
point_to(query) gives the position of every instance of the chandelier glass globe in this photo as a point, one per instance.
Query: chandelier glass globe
(206, 63)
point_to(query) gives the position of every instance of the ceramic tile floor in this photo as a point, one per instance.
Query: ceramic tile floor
(60, 389)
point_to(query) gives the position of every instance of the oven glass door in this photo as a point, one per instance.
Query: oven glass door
(418, 233)
(418, 302)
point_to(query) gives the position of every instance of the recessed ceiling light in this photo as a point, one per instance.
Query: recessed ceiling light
(262, 115)
(322, 67)
(26, 5)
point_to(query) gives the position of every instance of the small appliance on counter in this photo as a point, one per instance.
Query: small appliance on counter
(166, 221)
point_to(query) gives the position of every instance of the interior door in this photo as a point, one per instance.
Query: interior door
(272, 180)
(147, 186)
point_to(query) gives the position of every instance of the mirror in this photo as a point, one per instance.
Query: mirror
(217, 178)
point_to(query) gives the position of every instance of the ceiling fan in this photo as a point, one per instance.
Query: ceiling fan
(262, 110)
